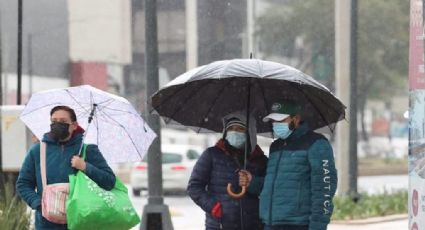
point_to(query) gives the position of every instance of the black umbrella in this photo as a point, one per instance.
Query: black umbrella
(201, 97)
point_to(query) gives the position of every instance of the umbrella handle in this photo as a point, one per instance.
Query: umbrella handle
(235, 195)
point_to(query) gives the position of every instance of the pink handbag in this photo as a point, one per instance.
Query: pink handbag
(54, 196)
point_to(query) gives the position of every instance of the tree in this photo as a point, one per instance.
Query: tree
(383, 38)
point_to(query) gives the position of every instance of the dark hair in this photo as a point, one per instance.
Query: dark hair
(65, 108)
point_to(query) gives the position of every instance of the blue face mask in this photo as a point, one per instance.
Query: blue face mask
(281, 130)
(236, 139)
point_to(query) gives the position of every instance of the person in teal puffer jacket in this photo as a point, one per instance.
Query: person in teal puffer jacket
(301, 178)
(63, 144)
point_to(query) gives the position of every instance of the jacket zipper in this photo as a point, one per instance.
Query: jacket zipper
(273, 182)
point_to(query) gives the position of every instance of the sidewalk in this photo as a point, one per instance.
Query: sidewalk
(387, 225)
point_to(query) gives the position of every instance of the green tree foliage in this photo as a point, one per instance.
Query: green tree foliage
(383, 38)
(14, 213)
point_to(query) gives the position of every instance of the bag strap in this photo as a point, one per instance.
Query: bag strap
(43, 163)
(84, 151)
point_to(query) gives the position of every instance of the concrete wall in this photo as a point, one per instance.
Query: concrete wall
(100, 31)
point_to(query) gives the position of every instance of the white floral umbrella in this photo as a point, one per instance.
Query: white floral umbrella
(116, 127)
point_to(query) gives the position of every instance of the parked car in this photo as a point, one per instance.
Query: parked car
(177, 165)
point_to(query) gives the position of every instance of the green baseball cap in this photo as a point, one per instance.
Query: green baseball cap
(282, 110)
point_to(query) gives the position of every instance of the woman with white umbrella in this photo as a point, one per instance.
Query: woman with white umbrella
(52, 160)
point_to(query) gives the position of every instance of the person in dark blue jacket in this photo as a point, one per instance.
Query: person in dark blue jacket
(219, 165)
(63, 144)
(301, 178)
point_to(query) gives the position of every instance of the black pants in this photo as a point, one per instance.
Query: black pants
(286, 227)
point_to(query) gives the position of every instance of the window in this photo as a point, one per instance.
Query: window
(192, 154)
(168, 158)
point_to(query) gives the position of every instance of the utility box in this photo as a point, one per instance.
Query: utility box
(15, 138)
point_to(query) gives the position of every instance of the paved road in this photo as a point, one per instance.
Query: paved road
(187, 216)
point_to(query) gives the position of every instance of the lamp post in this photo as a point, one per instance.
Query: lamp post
(156, 215)
(30, 64)
(19, 61)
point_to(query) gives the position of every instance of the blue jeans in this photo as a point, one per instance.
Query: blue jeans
(286, 227)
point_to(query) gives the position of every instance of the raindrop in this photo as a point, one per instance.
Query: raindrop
(206, 119)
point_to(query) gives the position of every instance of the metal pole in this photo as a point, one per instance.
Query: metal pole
(191, 34)
(19, 61)
(30, 66)
(156, 215)
(250, 25)
(353, 103)
(342, 74)
(151, 64)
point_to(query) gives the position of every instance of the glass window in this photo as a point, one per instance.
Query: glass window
(192, 154)
(168, 158)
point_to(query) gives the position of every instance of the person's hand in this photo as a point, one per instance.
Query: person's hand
(216, 210)
(78, 163)
(245, 178)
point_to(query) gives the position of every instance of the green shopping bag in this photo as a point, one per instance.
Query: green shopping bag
(91, 207)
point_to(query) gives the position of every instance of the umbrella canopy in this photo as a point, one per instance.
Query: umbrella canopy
(116, 127)
(201, 97)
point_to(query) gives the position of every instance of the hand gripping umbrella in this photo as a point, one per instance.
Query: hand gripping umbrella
(110, 121)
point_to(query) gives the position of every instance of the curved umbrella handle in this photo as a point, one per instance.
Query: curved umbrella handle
(235, 195)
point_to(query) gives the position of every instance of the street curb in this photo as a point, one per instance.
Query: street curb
(372, 220)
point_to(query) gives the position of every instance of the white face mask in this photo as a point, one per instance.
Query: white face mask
(236, 139)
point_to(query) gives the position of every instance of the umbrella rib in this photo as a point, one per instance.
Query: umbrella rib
(75, 100)
(35, 110)
(216, 99)
(264, 98)
(107, 118)
(167, 99)
(107, 102)
(104, 107)
(117, 110)
(96, 121)
(101, 107)
(326, 102)
(260, 68)
(226, 66)
(314, 105)
(81, 113)
(120, 125)
(186, 99)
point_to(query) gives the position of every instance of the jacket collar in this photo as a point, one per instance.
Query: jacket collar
(298, 132)
(221, 144)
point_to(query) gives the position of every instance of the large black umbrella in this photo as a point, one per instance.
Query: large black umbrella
(201, 97)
